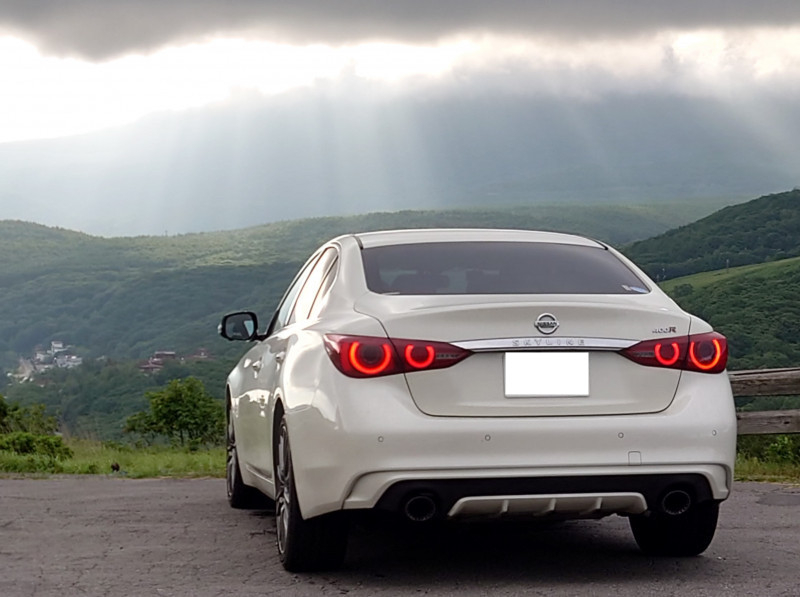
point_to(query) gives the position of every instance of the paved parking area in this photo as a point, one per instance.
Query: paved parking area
(166, 537)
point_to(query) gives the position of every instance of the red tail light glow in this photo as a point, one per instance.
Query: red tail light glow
(667, 361)
(706, 353)
(427, 361)
(369, 356)
(368, 359)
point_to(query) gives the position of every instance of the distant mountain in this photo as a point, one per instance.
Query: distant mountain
(127, 297)
(765, 229)
(312, 154)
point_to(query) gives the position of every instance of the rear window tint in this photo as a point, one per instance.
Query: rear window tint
(497, 268)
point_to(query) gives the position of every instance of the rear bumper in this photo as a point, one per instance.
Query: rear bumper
(363, 451)
(571, 496)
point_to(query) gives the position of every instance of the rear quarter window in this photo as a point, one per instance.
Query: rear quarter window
(497, 268)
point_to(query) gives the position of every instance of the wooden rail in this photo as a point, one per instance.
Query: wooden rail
(767, 382)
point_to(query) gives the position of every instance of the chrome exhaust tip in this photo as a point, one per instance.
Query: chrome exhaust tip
(676, 502)
(420, 508)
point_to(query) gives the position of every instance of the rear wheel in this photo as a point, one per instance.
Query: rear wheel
(687, 534)
(239, 495)
(303, 545)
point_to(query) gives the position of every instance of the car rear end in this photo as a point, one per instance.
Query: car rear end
(515, 373)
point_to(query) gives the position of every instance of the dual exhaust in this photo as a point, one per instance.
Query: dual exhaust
(423, 507)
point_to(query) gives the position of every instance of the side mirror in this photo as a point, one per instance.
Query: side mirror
(242, 325)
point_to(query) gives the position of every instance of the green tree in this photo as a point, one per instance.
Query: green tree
(183, 412)
(31, 419)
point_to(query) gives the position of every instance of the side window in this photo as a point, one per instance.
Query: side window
(324, 289)
(312, 284)
(282, 316)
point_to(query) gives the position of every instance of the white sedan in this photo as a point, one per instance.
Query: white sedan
(456, 374)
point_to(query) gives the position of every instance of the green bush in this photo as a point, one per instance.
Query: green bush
(11, 462)
(783, 449)
(778, 449)
(24, 443)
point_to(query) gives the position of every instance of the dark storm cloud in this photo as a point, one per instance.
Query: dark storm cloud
(99, 29)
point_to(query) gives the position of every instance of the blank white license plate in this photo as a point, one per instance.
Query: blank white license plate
(546, 374)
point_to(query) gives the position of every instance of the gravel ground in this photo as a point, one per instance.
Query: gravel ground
(98, 536)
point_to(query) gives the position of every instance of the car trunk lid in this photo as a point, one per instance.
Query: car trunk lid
(568, 365)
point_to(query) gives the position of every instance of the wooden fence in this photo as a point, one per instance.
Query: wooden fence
(767, 382)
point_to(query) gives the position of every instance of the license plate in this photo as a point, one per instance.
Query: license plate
(535, 374)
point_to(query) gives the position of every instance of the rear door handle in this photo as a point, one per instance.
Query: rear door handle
(280, 356)
(256, 365)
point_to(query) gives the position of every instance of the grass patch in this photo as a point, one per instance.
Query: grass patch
(93, 458)
(753, 469)
(773, 269)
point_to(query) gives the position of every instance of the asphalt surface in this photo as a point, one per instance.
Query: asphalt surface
(164, 537)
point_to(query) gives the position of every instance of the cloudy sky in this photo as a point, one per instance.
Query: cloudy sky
(119, 117)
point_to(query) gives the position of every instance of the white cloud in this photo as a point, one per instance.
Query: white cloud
(46, 96)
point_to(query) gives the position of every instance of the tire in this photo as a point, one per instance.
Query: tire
(318, 543)
(240, 496)
(687, 534)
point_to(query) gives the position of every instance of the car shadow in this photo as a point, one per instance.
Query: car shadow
(586, 552)
(384, 552)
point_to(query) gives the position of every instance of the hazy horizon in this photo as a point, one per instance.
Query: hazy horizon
(144, 117)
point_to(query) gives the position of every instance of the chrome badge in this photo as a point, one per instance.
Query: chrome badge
(546, 323)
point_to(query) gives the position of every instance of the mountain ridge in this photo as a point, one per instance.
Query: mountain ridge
(763, 229)
(125, 297)
(157, 302)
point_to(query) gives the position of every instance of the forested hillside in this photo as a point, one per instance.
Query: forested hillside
(765, 229)
(127, 297)
(756, 307)
(94, 400)
(124, 298)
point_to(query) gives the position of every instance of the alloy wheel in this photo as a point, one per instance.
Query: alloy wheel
(231, 461)
(283, 498)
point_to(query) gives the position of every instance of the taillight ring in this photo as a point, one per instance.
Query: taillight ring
(715, 359)
(676, 354)
(359, 365)
(423, 364)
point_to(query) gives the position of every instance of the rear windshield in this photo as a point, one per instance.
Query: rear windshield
(497, 268)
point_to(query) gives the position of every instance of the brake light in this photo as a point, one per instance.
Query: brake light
(706, 353)
(667, 361)
(425, 362)
(370, 356)
(368, 359)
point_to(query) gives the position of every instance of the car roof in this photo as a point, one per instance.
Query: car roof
(429, 235)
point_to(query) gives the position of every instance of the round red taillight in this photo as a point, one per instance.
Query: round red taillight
(706, 354)
(669, 356)
(419, 357)
(370, 359)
